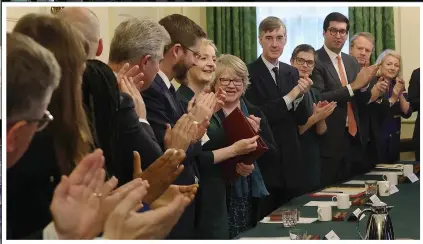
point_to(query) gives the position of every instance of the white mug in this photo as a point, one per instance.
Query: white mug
(342, 201)
(407, 169)
(383, 188)
(324, 213)
(391, 177)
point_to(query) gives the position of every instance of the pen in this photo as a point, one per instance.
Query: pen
(333, 191)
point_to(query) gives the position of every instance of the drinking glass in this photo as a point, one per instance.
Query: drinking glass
(371, 187)
(289, 217)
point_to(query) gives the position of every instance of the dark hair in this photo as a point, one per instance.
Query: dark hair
(70, 129)
(303, 48)
(182, 30)
(335, 16)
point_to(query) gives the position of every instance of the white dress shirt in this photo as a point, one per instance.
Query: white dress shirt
(288, 102)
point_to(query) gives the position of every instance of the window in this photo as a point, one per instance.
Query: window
(304, 25)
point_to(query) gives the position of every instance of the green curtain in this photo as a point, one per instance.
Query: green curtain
(234, 31)
(377, 20)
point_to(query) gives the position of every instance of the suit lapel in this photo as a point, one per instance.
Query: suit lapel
(324, 57)
(167, 94)
(347, 66)
(267, 80)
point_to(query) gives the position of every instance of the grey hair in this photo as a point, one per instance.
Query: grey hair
(32, 75)
(369, 36)
(137, 37)
(228, 61)
(386, 53)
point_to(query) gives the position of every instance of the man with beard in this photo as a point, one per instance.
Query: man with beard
(278, 90)
(163, 106)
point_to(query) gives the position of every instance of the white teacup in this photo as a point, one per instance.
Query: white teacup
(342, 201)
(407, 169)
(391, 177)
(324, 213)
(383, 188)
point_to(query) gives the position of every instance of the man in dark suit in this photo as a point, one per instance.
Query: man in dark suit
(163, 106)
(414, 98)
(277, 89)
(338, 77)
(371, 116)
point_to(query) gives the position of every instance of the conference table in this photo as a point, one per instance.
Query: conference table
(405, 215)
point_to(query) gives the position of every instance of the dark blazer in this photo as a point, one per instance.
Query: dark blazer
(414, 98)
(264, 93)
(162, 109)
(30, 186)
(134, 136)
(326, 80)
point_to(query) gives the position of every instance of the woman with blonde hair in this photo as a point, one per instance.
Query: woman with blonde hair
(59, 147)
(389, 119)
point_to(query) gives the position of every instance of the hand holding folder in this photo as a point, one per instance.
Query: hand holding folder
(237, 128)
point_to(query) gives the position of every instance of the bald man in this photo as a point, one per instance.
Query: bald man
(86, 21)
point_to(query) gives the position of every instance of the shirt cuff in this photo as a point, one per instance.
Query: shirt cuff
(49, 232)
(143, 121)
(287, 102)
(365, 88)
(350, 90)
(297, 102)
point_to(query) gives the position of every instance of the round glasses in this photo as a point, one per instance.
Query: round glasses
(301, 61)
(226, 82)
(334, 31)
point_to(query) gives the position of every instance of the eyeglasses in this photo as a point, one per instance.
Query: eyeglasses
(226, 82)
(197, 55)
(301, 61)
(41, 123)
(334, 31)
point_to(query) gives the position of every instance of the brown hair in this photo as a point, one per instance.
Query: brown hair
(182, 30)
(367, 35)
(270, 24)
(70, 130)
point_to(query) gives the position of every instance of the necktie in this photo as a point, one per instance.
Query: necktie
(178, 105)
(276, 71)
(352, 125)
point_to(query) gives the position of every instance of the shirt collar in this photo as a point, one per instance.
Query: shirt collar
(269, 65)
(331, 54)
(164, 78)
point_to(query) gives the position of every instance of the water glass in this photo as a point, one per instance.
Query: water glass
(297, 234)
(371, 187)
(289, 217)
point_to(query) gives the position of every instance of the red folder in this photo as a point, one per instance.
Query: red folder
(237, 128)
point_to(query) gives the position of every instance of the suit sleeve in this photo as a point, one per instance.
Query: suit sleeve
(319, 83)
(301, 113)
(274, 110)
(135, 136)
(414, 90)
(158, 118)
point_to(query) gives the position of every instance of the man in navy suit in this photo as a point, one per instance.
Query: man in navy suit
(278, 90)
(163, 106)
(337, 76)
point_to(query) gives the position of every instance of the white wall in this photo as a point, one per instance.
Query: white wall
(111, 17)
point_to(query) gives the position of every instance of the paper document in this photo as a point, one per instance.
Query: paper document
(384, 172)
(389, 166)
(355, 182)
(320, 203)
(265, 238)
(303, 220)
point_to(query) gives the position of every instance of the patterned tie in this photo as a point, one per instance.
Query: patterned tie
(352, 125)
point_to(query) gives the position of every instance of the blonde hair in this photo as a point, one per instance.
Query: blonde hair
(208, 42)
(386, 53)
(228, 61)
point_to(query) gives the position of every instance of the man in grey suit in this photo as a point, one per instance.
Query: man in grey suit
(338, 77)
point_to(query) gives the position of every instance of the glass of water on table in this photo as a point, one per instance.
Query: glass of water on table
(290, 217)
(371, 187)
